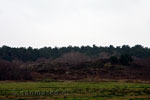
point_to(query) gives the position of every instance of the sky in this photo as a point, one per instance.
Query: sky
(40, 23)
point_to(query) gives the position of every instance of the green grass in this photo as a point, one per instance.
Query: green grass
(74, 91)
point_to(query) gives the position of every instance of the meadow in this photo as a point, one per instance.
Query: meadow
(74, 91)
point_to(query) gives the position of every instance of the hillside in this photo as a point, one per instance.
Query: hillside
(74, 65)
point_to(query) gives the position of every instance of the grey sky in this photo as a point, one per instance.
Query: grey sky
(39, 23)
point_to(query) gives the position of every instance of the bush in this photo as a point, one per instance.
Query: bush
(125, 59)
(113, 60)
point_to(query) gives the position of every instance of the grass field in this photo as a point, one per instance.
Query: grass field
(74, 91)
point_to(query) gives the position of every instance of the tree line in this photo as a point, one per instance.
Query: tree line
(33, 54)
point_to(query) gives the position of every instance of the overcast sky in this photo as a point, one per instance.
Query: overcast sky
(40, 23)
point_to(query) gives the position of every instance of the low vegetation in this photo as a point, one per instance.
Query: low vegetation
(74, 91)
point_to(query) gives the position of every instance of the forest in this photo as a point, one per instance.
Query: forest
(33, 54)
